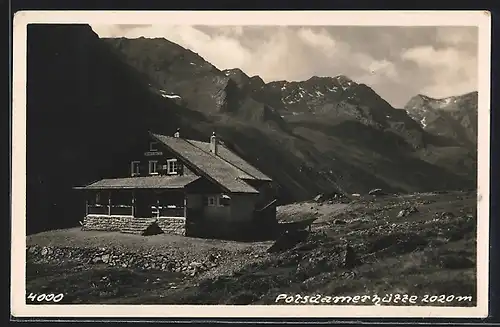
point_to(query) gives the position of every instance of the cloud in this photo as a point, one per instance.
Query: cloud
(384, 67)
(428, 56)
(397, 62)
(461, 37)
(320, 40)
(449, 70)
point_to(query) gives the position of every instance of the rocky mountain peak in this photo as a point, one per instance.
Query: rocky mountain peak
(238, 76)
(421, 101)
(342, 79)
(453, 117)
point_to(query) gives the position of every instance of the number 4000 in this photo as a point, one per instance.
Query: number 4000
(45, 297)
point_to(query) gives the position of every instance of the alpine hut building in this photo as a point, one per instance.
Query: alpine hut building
(181, 186)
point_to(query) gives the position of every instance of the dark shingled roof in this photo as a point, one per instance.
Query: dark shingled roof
(245, 170)
(147, 182)
(226, 168)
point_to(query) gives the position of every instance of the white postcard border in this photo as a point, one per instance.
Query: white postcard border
(19, 308)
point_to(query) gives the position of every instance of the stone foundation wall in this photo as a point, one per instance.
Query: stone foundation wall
(111, 223)
(172, 225)
(105, 223)
(177, 226)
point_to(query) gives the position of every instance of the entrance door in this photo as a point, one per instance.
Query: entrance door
(143, 202)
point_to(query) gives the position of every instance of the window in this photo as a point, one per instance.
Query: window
(153, 167)
(153, 146)
(217, 201)
(172, 168)
(98, 198)
(212, 201)
(134, 168)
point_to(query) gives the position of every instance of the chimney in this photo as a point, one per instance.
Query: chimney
(177, 133)
(213, 144)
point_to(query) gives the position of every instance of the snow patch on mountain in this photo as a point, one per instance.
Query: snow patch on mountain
(423, 123)
(169, 96)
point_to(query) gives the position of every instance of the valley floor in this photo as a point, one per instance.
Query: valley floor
(419, 244)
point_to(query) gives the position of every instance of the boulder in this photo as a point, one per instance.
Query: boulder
(330, 197)
(406, 212)
(402, 213)
(377, 191)
(195, 264)
(319, 198)
(105, 258)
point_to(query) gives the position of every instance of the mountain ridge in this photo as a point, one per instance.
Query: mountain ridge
(292, 106)
(453, 117)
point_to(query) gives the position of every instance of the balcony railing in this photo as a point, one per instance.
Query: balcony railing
(165, 211)
(127, 210)
(121, 210)
(98, 209)
(103, 209)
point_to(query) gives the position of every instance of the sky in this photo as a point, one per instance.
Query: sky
(397, 62)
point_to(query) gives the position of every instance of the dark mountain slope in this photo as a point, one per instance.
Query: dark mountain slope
(84, 108)
(180, 72)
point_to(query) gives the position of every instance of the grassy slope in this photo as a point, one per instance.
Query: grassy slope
(429, 252)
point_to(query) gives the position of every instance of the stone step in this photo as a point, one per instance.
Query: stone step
(134, 227)
(137, 224)
(132, 231)
(138, 227)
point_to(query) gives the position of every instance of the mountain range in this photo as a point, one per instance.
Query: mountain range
(89, 99)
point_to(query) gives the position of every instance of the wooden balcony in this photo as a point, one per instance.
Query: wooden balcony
(104, 209)
(166, 211)
(125, 210)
